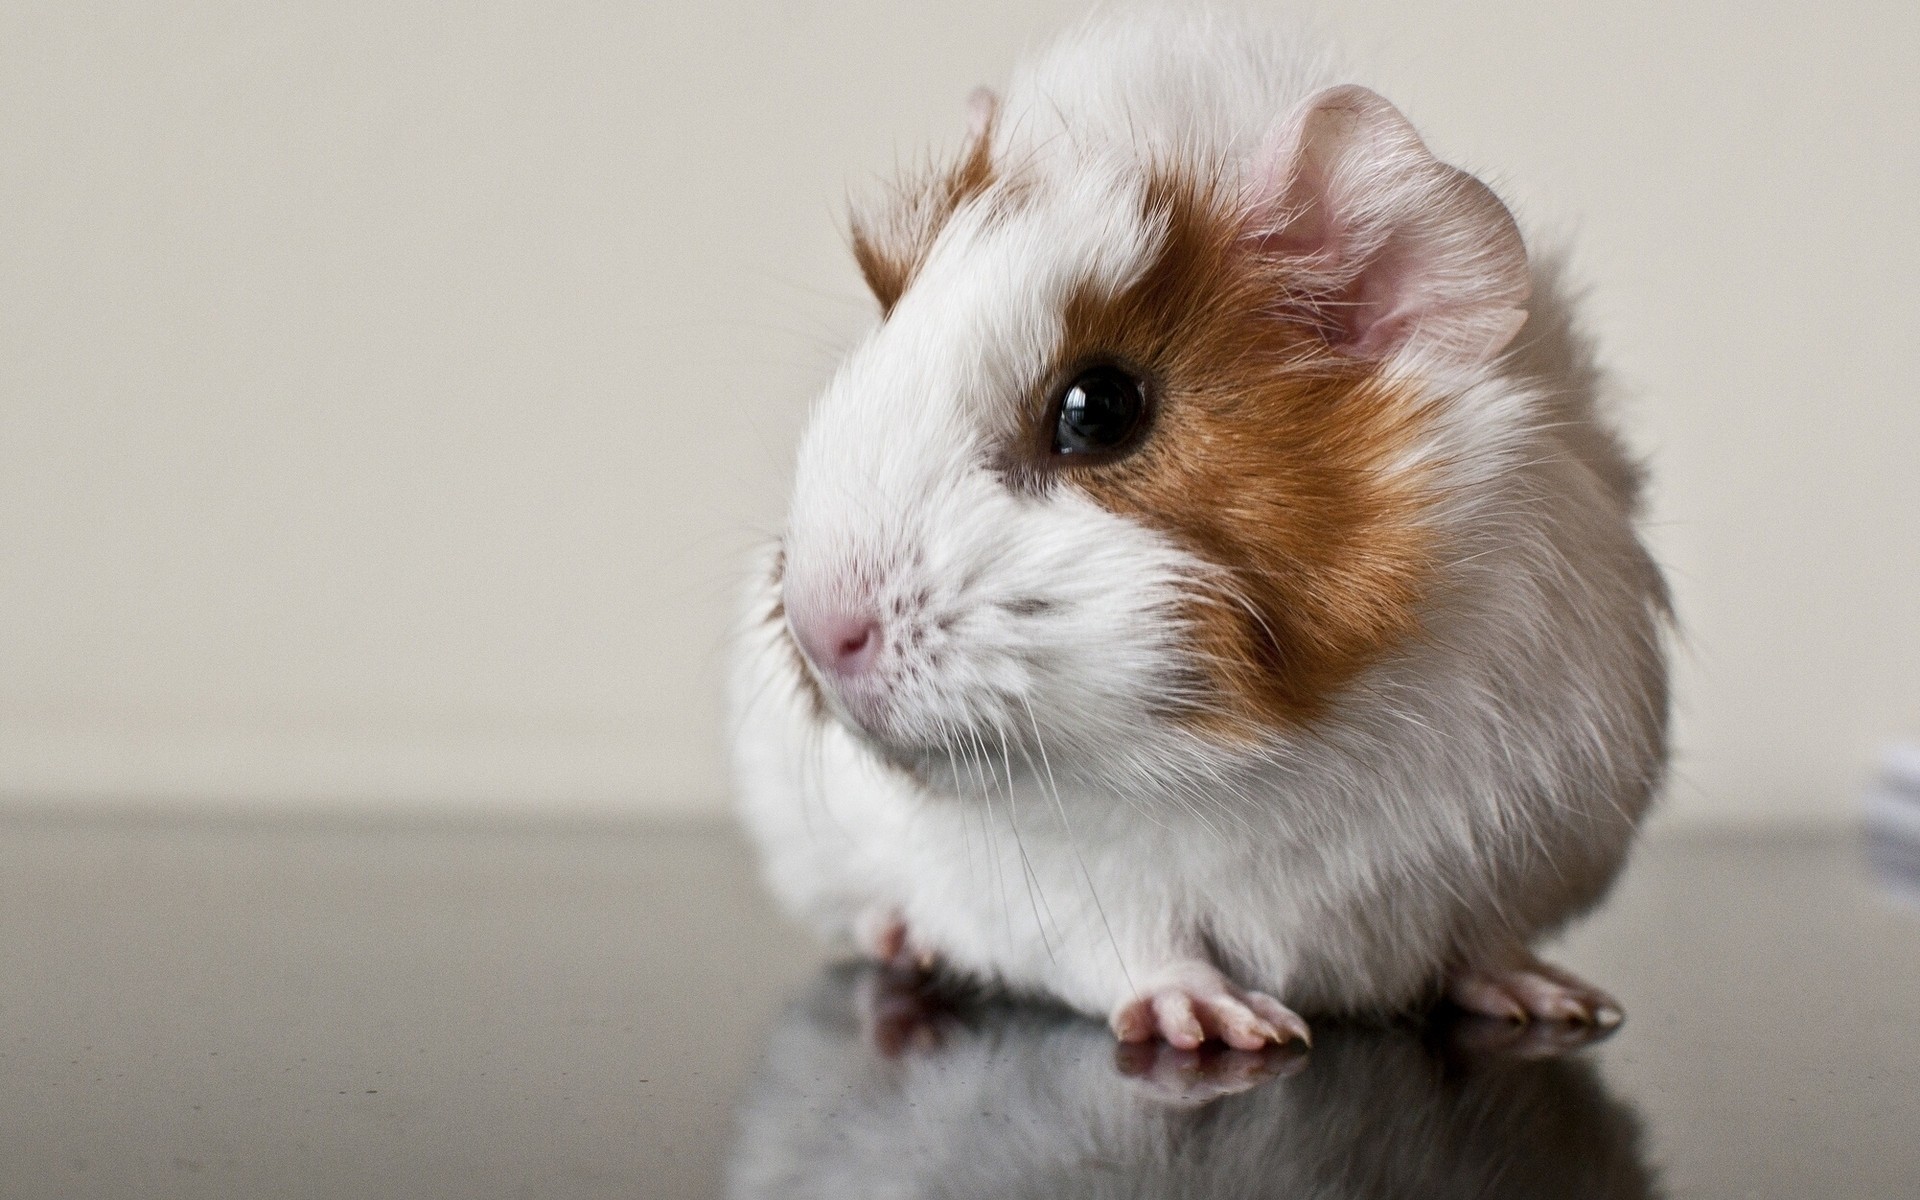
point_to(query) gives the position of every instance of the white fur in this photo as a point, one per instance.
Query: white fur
(1059, 832)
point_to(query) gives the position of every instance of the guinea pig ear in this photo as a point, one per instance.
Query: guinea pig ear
(983, 105)
(1387, 252)
(892, 238)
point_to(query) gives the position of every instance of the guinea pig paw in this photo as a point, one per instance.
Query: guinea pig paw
(880, 933)
(1532, 991)
(1193, 1078)
(1193, 1003)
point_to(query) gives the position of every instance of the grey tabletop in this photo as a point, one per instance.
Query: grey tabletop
(260, 1009)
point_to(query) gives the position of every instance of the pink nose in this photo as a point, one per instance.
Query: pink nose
(841, 644)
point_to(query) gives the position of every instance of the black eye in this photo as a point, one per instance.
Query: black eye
(1100, 411)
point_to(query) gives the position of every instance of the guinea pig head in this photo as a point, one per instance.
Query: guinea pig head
(1141, 450)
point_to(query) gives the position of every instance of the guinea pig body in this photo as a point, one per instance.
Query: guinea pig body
(1202, 601)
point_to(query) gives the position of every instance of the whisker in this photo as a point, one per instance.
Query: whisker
(1073, 843)
(1026, 864)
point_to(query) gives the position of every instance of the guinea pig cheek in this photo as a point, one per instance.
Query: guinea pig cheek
(1315, 552)
(1293, 475)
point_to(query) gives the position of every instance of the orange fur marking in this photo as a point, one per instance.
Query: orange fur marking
(1268, 455)
(891, 244)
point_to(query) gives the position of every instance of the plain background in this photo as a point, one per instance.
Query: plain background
(388, 391)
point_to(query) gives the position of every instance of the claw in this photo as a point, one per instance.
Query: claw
(1191, 1004)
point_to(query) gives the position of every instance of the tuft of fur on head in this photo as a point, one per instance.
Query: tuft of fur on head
(892, 239)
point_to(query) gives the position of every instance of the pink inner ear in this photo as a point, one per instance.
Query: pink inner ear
(1287, 210)
(1374, 312)
(1294, 216)
(1361, 315)
(982, 106)
(1387, 247)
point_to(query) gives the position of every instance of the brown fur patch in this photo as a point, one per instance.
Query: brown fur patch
(1268, 456)
(892, 241)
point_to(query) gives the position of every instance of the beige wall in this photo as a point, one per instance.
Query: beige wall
(387, 390)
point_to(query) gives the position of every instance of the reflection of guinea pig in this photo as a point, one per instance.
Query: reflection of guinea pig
(1015, 1101)
(1200, 596)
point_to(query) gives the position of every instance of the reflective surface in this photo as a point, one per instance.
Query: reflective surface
(227, 1010)
(870, 1089)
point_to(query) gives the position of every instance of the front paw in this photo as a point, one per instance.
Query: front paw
(1190, 1003)
(881, 934)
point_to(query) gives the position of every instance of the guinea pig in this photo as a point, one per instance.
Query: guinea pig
(1211, 592)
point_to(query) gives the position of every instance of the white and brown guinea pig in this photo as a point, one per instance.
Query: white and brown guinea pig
(1209, 593)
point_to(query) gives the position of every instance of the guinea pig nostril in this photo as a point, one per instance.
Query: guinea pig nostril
(858, 644)
(839, 644)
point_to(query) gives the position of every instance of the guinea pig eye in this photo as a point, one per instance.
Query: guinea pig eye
(1099, 412)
